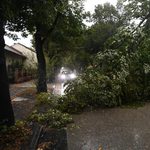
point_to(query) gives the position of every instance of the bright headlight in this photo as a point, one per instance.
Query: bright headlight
(72, 76)
(63, 76)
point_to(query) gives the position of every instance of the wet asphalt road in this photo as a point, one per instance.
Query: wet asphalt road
(109, 128)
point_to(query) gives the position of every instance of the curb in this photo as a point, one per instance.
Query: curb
(35, 138)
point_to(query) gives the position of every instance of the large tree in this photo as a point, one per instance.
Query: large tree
(41, 18)
(107, 19)
(6, 111)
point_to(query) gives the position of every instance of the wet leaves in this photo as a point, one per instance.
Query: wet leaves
(15, 136)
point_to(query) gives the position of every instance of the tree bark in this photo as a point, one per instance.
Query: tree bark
(41, 77)
(6, 111)
(39, 41)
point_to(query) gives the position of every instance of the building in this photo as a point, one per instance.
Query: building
(31, 58)
(19, 54)
(13, 55)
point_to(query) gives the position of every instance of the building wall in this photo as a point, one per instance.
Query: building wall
(31, 55)
(11, 57)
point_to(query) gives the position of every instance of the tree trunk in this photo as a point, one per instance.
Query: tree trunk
(41, 83)
(6, 111)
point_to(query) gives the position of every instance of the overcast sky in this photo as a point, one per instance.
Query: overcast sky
(89, 6)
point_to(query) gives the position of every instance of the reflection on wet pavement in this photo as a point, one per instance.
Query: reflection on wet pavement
(59, 89)
(17, 99)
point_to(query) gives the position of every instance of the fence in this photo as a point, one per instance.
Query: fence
(22, 75)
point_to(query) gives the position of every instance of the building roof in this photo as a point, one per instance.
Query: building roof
(13, 50)
(25, 47)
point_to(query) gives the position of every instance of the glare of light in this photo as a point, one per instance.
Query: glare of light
(72, 76)
(63, 76)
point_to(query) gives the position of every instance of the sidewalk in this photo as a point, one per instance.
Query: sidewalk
(17, 88)
(58, 138)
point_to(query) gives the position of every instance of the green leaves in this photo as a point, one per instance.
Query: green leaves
(120, 72)
(119, 76)
(48, 114)
(45, 99)
(15, 133)
(54, 118)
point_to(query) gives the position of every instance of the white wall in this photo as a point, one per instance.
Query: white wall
(31, 55)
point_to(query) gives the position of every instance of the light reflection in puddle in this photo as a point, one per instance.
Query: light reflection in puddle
(18, 99)
(62, 89)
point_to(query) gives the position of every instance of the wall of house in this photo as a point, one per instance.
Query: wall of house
(10, 58)
(31, 55)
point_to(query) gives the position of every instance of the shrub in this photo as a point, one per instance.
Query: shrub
(47, 114)
(52, 118)
(46, 99)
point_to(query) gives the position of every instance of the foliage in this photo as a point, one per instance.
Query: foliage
(120, 76)
(134, 105)
(107, 19)
(12, 68)
(46, 99)
(14, 133)
(49, 116)
(76, 60)
(16, 64)
(101, 33)
(10, 74)
(53, 54)
(139, 9)
(52, 118)
(40, 18)
(70, 104)
(105, 13)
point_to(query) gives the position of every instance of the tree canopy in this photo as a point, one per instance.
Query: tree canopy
(120, 73)
(39, 17)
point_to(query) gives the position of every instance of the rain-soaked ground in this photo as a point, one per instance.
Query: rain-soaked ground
(109, 128)
(59, 88)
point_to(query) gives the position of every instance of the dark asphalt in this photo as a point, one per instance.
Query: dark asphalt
(111, 129)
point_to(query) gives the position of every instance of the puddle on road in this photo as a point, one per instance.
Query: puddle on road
(18, 99)
(62, 89)
(59, 89)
